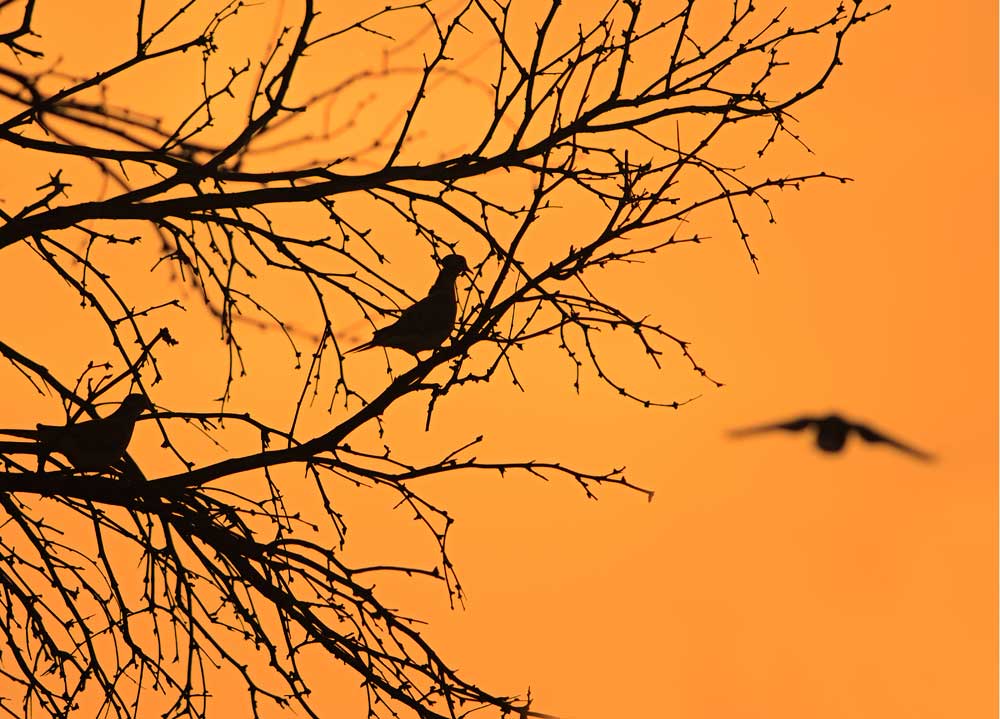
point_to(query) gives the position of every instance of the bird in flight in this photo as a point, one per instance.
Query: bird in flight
(94, 445)
(832, 432)
(427, 323)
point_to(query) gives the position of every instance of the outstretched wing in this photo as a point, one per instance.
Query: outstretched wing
(871, 435)
(792, 425)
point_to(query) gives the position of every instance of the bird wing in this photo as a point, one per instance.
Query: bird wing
(423, 325)
(91, 431)
(871, 435)
(792, 425)
(418, 320)
(429, 314)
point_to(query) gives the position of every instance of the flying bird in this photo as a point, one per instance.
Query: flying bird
(427, 323)
(832, 432)
(93, 445)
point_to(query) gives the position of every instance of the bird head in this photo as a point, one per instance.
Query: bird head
(454, 265)
(136, 403)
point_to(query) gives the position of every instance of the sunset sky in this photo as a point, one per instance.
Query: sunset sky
(764, 579)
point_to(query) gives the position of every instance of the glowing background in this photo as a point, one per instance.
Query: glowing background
(764, 580)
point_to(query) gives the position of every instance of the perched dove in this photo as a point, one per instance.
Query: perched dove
(97, 444)
(832, 433)
(427, 323)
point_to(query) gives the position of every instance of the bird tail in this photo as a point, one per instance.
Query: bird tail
(361, 348)
(25, 433)
(747, 431)
(7, 447)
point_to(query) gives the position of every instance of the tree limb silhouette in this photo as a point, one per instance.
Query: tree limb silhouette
(127, 596)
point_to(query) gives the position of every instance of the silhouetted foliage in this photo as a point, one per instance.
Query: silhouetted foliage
(415, 131)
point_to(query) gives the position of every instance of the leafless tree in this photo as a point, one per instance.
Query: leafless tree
(412, 130)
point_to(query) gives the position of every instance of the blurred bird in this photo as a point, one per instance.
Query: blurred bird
(93, 445)
(832, 432)
(427, 323)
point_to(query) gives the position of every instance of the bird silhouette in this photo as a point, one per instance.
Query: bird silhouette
(428, 322)
(832, 432)
(93, 445)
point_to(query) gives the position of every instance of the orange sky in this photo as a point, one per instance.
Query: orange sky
(764, 580)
